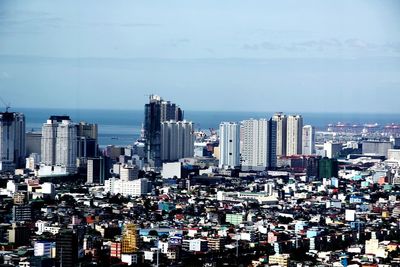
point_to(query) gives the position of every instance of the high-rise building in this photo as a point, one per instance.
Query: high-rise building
(67, 248)
(12, 140)
(156, 112)
(33, 142)
(129, 238)
(281, 126)
(258, 148)
(177, 140)
(328, 168)
(332, 149)
(229, 133)
(294, 135)
(87, 144)
(308, 140)
(59, 143)
(96, 170)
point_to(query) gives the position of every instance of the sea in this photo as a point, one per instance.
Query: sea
(122, 127)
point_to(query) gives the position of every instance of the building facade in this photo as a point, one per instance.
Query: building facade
(294, 135)
(177, 140)
(258, 149)
(59, 145)
(281, 127)
(229, 145)
(156, 112)
(12, 140)
(308, 140)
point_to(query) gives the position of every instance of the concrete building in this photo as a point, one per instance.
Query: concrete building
(257, 148)
(308, 140)
(133, 188)
(87, 136)
(229, 145)
(12, 140)
(128, 172)
(332, 149)
(280, 259)
(376, 147)
(294, 135)
(33, 141)
(394, 154)
(44, 249)
(177, 140)
(281, 127)
(58, 146)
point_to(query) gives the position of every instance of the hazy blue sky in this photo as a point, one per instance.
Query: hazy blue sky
(337, 56)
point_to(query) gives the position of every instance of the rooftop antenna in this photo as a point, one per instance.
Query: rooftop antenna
(5, 104)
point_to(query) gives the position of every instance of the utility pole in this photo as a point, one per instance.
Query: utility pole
(158, 251)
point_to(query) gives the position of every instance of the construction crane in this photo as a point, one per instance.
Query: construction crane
(5, 104)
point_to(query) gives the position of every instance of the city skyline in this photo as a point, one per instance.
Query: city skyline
(233, 49)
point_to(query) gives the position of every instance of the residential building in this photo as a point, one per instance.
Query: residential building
(229, 145)
(281, 128)
(156, 112)
(12, 140)
(177, 140)
(58, 146)
(308, 140)
(294, 135)
(257, 148)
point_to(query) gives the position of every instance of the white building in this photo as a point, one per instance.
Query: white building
(308, 140)
(332, 150)
(133, 188)
(256, 145)
(394, 154)
(32, 161)
(294, 135)
(44, 249)
(12, 140)
(177, 140)
(229, 145)
(59, 145)
(171, 169)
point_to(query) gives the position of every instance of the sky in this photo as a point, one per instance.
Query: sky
(292, 56)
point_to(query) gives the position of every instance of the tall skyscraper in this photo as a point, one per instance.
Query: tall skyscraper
(156, 112)
(294, 135)
(87, 135)
(229, 133)
(12, 140)
(59, 143)
(281, 126)
(257, 149)
(177, 140)
(308, 140)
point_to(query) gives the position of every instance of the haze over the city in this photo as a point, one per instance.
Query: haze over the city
(333, 56)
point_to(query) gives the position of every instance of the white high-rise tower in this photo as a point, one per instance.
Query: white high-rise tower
(257, 151)
(229, 133)
(177, 140)
(59, 144)
(294, 135)
(308, 140)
